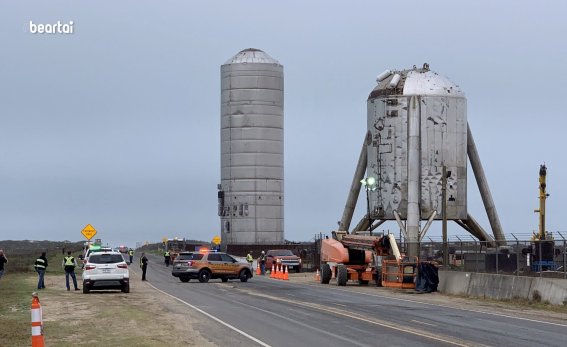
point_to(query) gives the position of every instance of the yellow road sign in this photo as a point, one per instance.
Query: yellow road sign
(88, 232)
(217, 240)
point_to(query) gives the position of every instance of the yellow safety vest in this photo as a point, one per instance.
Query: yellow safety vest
(166, 254)
(69, 261)
(249, 258)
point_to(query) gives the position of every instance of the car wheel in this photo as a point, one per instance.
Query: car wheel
(342, 275)
(184, 279)
(243, 276)
(363, 282)
(224, 279)
(325, 273)
(86, 288)
(204, 276)
(126, 288)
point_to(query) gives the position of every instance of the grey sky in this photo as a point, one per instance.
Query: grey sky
(117, 125)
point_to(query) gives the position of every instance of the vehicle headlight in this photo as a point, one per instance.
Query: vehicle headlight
(278, 260)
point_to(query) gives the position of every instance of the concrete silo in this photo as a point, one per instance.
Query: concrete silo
(251, 191)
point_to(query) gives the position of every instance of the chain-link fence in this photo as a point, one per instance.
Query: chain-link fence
(518, 257)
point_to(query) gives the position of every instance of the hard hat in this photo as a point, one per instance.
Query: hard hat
(263, 252)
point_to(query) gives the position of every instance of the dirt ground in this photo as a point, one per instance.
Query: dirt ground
(142, 317)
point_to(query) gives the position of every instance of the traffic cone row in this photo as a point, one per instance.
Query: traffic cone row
(279, 272)
(36, 322)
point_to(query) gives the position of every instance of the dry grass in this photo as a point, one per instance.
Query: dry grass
(105, 318)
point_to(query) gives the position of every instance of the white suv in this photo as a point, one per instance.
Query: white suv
(106, 270)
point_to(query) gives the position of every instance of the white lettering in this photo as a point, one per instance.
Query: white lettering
(55, 28)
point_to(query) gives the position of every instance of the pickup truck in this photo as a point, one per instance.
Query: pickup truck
(284, 257)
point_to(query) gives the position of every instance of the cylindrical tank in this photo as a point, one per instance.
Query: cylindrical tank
(251, 195)
(416, 126)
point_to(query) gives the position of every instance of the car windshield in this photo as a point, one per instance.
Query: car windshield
(105, 258)
(192, 256)
(282, 253)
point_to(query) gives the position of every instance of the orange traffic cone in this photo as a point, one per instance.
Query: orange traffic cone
(272, 273)
(279, 274)
(285, 275)
(318, 276)
(258, 270)
(36, 322)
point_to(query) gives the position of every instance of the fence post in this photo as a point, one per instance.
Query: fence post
(540, 267)
(517, 255)
(497, 258)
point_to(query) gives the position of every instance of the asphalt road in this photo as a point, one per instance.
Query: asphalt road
(269, 312)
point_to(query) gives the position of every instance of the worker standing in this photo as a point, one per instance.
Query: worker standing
(262, 261)
(69, 264)
(3, 260)
(249, 259)
(167, 257)
(40, 266)
(131, 254)
(144, 265)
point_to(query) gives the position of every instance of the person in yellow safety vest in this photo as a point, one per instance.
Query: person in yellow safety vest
(167, 258)
(249, 259)
(40, 266)
(69, 264)
(131, 254)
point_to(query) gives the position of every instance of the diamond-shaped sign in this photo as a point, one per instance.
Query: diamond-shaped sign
(88, 232)
(217, 240)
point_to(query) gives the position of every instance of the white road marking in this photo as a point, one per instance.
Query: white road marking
(261, 343)
(338, 337)
(363, 319)
(420, 322)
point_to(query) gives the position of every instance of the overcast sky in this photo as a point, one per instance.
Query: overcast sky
(118, 124)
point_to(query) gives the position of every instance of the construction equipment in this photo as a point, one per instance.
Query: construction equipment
(543, 243)
(175, 246)
(362, 258)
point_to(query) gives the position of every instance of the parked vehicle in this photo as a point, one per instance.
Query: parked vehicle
(106, 270)
(284, 257)
(94, 249)
(210, 265)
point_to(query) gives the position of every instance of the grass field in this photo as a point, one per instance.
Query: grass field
(105, 318)
(15, 304)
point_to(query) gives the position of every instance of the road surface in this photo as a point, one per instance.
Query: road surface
(267, 312)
